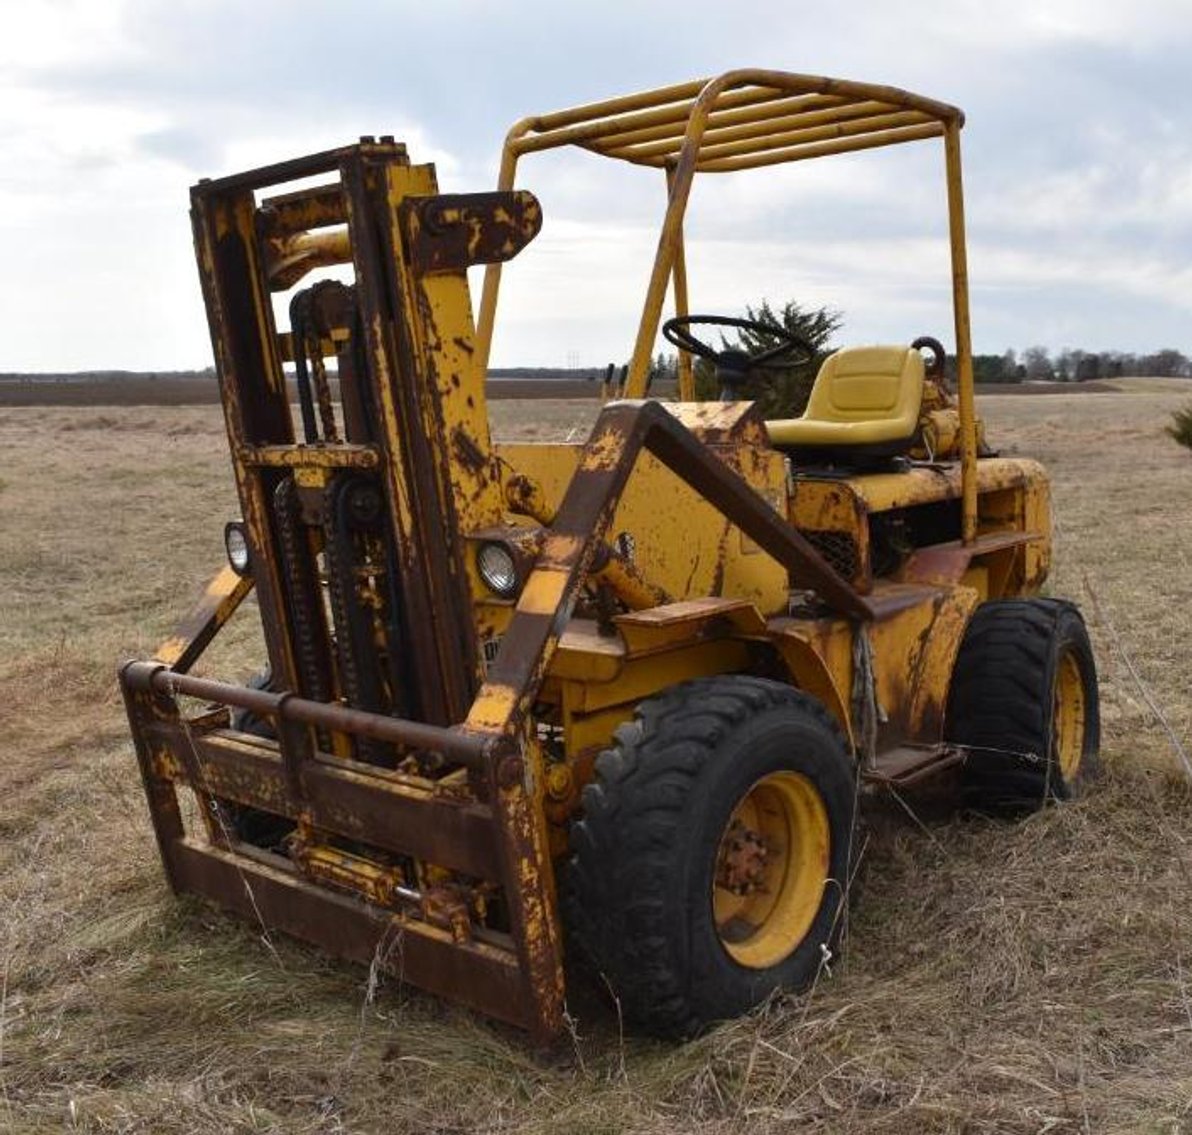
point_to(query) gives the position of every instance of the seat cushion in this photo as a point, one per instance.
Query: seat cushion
(862, 396)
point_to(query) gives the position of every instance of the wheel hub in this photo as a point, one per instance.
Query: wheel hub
(771, 869)
(744, 855)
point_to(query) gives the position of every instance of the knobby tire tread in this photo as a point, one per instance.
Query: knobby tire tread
(1000, 704)
(632, 815)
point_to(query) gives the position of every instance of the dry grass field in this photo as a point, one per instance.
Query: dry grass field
(997, 977)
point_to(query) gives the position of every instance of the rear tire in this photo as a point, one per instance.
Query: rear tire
(711, 862)
(245, 720)
(240, 821)
(1024, 705)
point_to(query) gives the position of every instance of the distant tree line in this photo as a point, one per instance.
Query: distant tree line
(1037, 364)
(104, 375)
(789, 387)
(575, 373)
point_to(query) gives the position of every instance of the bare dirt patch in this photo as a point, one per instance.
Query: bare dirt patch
(997, 978)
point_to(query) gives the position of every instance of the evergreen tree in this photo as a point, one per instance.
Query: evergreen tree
(780, 389)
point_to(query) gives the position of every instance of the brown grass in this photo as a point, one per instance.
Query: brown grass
(997, 978)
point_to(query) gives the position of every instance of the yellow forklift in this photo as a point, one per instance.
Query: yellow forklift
(622, 693)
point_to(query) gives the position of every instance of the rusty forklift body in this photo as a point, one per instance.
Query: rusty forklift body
(419, 750)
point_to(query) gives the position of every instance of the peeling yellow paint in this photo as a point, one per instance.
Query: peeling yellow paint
(542, 593)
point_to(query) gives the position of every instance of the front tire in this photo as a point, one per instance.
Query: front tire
(711, 862)
(1024, 704)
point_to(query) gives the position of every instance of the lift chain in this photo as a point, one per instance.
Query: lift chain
(322, 386)
(353, 625)
(302, 591)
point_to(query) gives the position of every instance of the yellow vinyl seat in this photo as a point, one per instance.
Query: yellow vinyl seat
(864, 405)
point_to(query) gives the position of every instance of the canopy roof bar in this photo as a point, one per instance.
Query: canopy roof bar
(753, 133)
(737, 125)
(667, 121)
(752, 119)
(843, 145)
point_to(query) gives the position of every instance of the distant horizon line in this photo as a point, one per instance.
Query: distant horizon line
(539, 373)
(113, 375)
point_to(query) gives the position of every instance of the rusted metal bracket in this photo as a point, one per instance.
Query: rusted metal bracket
(221, 597)
(453, 231)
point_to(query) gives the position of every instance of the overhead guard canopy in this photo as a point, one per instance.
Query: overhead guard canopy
(749, 119)
(745, 120)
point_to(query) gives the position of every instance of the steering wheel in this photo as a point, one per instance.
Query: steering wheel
(935, 364)
(733, 365)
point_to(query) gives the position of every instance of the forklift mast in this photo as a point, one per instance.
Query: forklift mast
(373, 502)
(360, 526)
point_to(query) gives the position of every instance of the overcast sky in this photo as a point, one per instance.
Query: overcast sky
(1078, 161)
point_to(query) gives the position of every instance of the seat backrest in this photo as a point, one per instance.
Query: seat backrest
(859, 384)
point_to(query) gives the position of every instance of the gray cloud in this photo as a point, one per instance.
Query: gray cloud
(1078, 164)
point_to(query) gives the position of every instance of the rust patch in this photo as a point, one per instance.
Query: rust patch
(603, 452)
(467, 452)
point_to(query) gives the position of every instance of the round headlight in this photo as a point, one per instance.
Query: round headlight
(498, 570)
(236, 543)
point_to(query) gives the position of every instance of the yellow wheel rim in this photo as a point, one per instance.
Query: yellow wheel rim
(771, 869)
(1068, 716)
